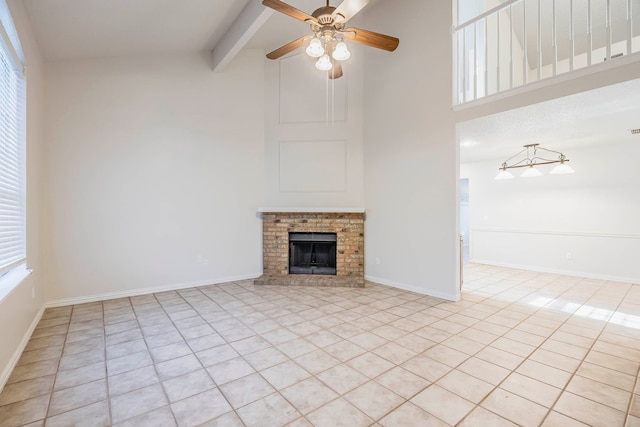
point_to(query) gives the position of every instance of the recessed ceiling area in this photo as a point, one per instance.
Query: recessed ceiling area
(600, 116)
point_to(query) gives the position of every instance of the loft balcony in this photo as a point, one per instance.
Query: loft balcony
(520, 44)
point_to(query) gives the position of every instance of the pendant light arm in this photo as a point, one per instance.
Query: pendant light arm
(505, 164)
(529, 160)
(561, 157)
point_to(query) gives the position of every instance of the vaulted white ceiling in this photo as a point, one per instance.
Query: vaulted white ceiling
(74, 29)
(78, 29)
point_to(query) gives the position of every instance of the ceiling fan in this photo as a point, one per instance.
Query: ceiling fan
(329, 34)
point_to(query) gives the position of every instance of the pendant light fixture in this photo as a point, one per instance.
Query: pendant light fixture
(530, 157)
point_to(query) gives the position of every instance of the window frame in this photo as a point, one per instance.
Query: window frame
(13, 78)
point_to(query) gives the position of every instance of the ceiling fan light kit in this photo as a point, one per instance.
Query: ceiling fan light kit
(529, 158)
(329, 34)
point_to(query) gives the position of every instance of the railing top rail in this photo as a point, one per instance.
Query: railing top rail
(485, 14)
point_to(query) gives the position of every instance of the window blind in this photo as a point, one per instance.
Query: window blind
(12, 158)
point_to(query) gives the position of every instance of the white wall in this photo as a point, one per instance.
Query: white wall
(313, 138)
(590, 217)
(410, 158)
(20, 309)
(153, 175)
(410, 150)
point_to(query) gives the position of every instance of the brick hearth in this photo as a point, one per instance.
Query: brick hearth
(349, 228)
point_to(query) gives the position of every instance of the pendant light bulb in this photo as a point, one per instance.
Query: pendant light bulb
(531, 172)
(324, 63)
(562, 169)
(341, 52)
(504, 174)
(315, 49)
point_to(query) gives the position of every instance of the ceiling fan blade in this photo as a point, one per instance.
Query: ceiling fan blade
(336, 71)
(348, 8)
(289, 47)
(369, 38)
(282, 7)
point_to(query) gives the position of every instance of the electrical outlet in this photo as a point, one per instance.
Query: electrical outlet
(377, 261)
(569, 256)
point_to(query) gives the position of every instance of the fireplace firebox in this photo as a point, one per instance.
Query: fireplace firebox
(312, 253)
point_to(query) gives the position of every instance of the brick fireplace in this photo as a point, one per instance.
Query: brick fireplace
(349, 230)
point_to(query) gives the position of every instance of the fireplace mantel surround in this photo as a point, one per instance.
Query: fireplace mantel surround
(347, 223)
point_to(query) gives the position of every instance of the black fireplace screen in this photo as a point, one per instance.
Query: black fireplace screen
(312, 253)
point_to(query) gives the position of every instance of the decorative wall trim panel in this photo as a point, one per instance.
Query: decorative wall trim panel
(313, 166)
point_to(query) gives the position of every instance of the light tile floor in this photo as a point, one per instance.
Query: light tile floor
(521, 348)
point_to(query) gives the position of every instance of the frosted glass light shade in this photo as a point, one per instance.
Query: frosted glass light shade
(324, 63)
(315, 49)
(531, 172)
(562, 169)
(504, 174)
(341, 52)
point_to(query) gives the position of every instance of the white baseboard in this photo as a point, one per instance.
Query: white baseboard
(572, 273)
(8, 369)
(412, 288)
(144, 291)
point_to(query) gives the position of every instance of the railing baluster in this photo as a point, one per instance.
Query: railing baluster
(608, 29)
(475, 61)
(456, 70)
(571, 37)
(511, 63)
(539, 42)
(465, 78)
(486, 57)
(554, 38)
(629, 28)
(525, 46)
(589, 33)
(498, 73)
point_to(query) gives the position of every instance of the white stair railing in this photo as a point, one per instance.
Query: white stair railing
(520, 42)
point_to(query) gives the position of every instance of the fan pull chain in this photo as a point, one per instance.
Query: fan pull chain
(327, 101)
(333, 101)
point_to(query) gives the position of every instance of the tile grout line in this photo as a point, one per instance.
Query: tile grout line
(339, 396)
(242, 302)
(595, 341)
(106, 371)
(194, 354)
(53, 387)
(550, 408)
